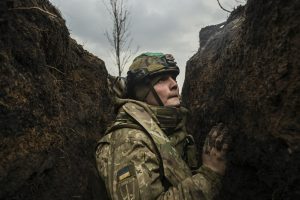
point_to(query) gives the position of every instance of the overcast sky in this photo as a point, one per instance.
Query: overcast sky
(167, 26)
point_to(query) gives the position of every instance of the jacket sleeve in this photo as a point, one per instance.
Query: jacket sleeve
(130, 169)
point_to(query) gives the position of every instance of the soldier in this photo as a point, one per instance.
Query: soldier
(147, 153)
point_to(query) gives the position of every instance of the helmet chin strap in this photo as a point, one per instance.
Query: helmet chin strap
(157, 98)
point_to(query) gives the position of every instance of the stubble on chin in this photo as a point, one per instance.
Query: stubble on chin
(173, 102)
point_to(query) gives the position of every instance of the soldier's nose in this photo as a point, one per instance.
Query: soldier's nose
(173, 83)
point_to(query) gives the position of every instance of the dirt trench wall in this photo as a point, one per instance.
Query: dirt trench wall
(246, 74)
(53, 106)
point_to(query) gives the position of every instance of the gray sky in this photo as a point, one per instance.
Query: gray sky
(167, 26)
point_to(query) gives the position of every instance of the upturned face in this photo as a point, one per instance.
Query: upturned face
(168, 91)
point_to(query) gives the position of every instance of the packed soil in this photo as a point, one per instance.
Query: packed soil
(54, 106)
(246, 74)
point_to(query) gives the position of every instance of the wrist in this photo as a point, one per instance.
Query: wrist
(210, 181)
(209, 172)
(213, 169)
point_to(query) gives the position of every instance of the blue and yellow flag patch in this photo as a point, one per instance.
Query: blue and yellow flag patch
(125, 172)
(127, 183)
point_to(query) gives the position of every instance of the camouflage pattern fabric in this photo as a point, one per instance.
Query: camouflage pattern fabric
(128, 163)
(153, 62)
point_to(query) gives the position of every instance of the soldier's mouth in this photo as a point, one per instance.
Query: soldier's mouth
(173, 96)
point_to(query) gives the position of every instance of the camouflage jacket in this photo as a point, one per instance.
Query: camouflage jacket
(138, 160)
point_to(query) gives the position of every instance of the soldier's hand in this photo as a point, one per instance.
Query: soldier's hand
(215, 148)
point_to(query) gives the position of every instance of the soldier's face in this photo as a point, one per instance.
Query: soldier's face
(168, 91)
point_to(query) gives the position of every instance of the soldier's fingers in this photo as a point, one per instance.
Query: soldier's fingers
(214, 139)
(227, 138)
(213, 134)
(206, 147)
(219, 155)
(217, 130)
(211, 142)
(225, 134)
(219, 143)
(225, 130)
(220, 125)
(213, 152)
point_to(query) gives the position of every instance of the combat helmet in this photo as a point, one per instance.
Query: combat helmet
(145, 71)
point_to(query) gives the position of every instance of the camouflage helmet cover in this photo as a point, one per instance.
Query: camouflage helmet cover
(154, 63)
(147, 68)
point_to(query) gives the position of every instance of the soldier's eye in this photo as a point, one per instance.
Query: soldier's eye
(164, 78)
